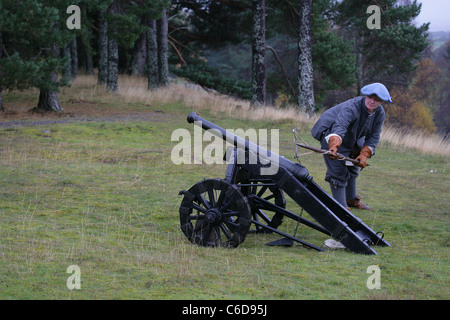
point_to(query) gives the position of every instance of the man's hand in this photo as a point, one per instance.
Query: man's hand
(363, 156)
(333, 143)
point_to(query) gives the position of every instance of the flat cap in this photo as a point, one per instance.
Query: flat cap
(379, 89)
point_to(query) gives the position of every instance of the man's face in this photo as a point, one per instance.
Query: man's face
(372, 102)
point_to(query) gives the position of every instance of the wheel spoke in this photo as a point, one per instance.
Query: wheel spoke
(221, 199)
(197, 217)
(225, 231)
(233, 226)
(261, 214)
(261, 192)
(230, 214)
(198, 208)
(211, 197)
(203, 201)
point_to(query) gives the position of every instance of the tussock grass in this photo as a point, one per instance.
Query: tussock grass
(424, 142)
(134, 90)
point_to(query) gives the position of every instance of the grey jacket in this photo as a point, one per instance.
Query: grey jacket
(351, 121)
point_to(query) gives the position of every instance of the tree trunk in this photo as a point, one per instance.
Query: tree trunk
(48, 98)
(67, 68)
(113, 53)
(86, 37)
(305, 67)
(163, 65)
(112, 83)
(74, 57)
(152, 56)
(139, 55)
(48, 101)
(360, 68)
(259, 54)
(89, 62)
(102, 49)
(2, 108)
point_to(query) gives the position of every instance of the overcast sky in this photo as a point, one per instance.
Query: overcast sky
(437, 12)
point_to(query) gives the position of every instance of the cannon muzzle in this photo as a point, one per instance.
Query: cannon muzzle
(193, 117)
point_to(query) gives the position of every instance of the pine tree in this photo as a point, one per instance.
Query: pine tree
(130, 16)
(388, 51)
(333, 62)
(1, 53)
(152, 55)
(113, 51)
(259, 53)
(74, 57)
(48, 95)
(162, 39)
(86, 39)
(305, 64)
(139, 55)
(102, 47)
(67, 68)
(33, 33)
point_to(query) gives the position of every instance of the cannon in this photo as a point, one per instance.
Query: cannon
(251, 198)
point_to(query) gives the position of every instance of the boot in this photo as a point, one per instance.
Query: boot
(357, 203)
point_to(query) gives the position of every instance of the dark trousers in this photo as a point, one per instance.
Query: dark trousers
(342, 177)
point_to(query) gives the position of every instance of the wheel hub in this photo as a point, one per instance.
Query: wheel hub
(213, 216)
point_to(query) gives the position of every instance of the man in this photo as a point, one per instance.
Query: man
(352, 129)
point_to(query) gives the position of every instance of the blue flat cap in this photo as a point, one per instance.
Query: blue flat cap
(378, 89)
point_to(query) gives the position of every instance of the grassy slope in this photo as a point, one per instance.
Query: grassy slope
(103, 196)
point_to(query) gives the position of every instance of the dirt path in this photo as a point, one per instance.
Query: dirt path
(15, 119)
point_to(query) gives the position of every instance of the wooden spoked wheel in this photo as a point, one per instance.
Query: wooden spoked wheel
(215, 213)
(265, 189)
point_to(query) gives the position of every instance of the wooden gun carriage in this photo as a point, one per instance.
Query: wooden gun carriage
(220, 212)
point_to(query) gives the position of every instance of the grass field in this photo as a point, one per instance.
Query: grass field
(96, 188)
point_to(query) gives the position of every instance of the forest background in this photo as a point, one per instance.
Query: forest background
(307, 54)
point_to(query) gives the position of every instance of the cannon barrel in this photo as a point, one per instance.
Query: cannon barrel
(276, 161)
